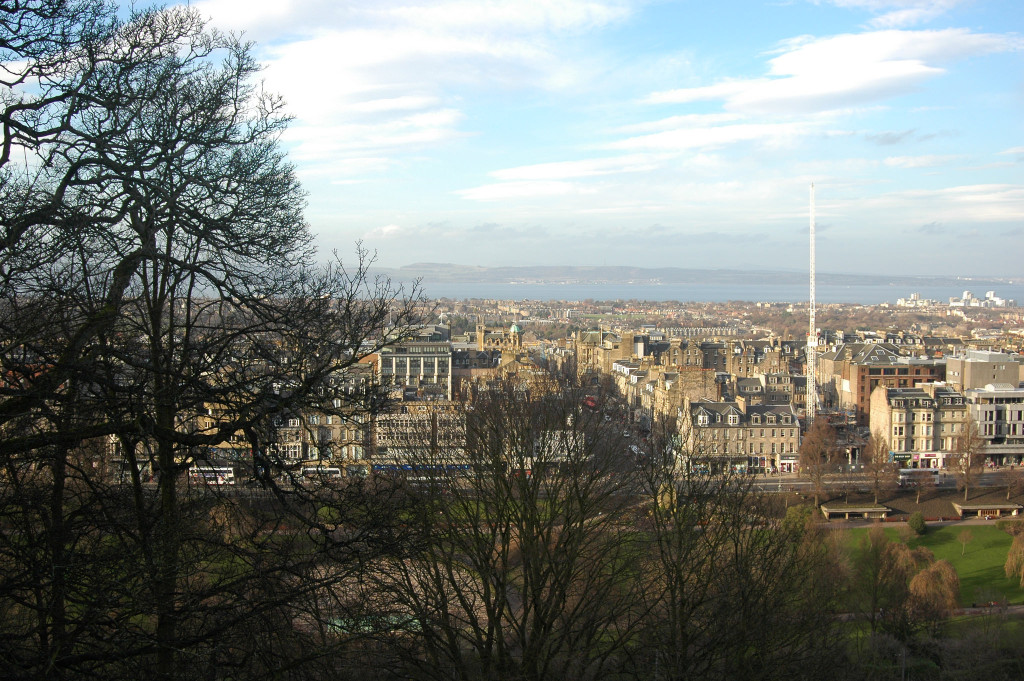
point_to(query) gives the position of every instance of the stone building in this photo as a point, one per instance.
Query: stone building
(733, 435)
(421, 365)
(920, 424)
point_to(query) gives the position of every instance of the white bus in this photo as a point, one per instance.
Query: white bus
(910, 477)
(213, 475)
(321, 472)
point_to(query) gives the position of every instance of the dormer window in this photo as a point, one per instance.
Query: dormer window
(702, 419)
(756, 418)
(734, 419)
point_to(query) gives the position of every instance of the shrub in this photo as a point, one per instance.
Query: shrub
(916, 523)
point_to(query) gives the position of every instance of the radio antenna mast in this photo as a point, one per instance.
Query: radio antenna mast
(812, 337)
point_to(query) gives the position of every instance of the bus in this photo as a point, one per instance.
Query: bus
(212, 475)
(911, 477)
(321, 472)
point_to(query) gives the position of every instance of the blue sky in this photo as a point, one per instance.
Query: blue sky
(655, 132)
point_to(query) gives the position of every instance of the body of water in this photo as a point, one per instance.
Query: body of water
(713, 293)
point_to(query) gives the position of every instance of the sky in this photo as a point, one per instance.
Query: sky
(655, 133)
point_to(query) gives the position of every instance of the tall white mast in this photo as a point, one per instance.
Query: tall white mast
(812, 337)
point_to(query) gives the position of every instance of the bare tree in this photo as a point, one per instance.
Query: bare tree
(968, 458)
(964, 537)
(1013, 479)
(170, 273)
(923, 482)
(817, 453)
(882, 472)
(528, 564)
(714, 608)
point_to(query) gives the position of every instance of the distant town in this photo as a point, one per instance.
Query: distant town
(722, 372)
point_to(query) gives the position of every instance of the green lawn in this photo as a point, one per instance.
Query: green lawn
(980, 568)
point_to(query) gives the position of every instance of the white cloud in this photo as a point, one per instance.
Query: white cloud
(900, 13)
(312, 143)
(519, 15)
(996, 203)
(384, 232)
(821, 74)
(919, 161)
(522, 190)
(673, 122)
(574, 169)
(686, 138)
(374, 78)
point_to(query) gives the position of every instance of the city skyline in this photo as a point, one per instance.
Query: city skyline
(654, 133)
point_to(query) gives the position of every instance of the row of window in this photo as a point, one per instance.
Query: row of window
(777, 448)
(704, 419)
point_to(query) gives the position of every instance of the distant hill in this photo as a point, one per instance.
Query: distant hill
(561, 274)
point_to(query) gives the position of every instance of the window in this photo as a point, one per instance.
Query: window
(702, 419)
(734, 419)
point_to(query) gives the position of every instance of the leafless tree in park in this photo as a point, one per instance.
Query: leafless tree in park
(1013, 479)
(713, 607)
(968, 457)
(964, 537)
(923, 482)
(529, 564)
(817, 455)
(881, 471)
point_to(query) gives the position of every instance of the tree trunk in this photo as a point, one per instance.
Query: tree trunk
(166, 551)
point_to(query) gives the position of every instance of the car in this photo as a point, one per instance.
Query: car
(625, 433)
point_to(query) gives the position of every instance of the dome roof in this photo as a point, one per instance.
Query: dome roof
(513, 328)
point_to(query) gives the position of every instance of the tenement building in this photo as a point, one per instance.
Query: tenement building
(921, 425)
(738, 437)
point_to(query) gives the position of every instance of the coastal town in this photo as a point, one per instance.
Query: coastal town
(731, 376)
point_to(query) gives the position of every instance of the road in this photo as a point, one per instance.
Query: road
(796, 483)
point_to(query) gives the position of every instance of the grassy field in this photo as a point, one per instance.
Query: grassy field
(980, 567)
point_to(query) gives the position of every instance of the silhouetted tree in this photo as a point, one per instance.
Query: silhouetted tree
(157, 266)
(527, 568)
(714, 609)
